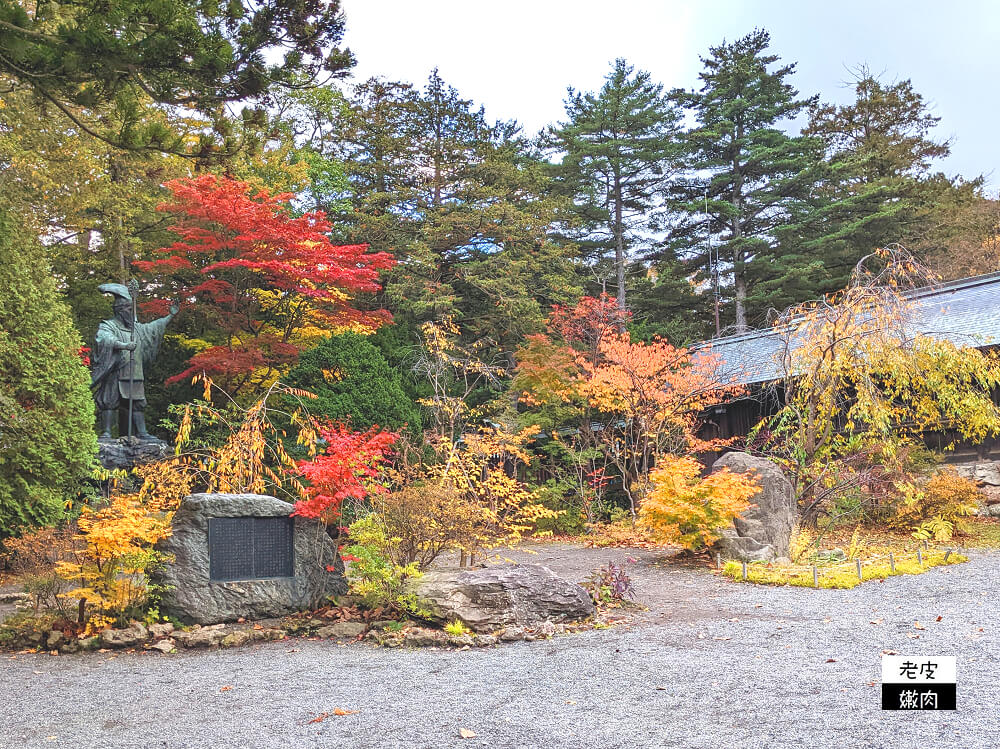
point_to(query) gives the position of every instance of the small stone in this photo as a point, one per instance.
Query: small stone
(386, 624)
(129, 637)
(832, 555)
(200, 638)
(270, 633)
(161, 630)
(343, 630)
(237, 639)
(546, 629)
(164, 646)
(484, 641)
(512, 634)
(420, 637)
(783, 562)
(55, 637)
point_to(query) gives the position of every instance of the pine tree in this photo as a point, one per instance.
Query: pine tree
(47, 438)
(181, 53)
(618, 149)
(757, 175)
(462, 202)
(879, 185)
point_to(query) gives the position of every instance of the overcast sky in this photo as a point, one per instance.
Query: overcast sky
(516, 57)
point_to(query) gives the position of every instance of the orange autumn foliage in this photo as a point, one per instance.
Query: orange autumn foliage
(684, 508)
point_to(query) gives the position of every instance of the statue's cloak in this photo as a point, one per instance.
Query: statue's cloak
(110, 367)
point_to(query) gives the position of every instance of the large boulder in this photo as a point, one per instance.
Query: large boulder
(253, 575)
(764, 531)
(489, 598)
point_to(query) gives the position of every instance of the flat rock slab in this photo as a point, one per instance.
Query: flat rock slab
(191, 595)
(490, 598)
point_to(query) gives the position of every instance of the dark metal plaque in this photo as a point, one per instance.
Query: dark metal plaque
(250, 548)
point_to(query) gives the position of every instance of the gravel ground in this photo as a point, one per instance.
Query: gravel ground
(711, 664)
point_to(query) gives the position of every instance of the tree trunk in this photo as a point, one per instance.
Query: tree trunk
(619, 233)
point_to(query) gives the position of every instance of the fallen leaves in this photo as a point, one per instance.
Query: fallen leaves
(225, 689)
(465, 733)
(830, 660)
(918, 625)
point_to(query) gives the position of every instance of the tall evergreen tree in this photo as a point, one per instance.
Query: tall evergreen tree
(464, 205)
(618, 148)
(752, 174)
(199, 54)
(47, 437)
(879, 187)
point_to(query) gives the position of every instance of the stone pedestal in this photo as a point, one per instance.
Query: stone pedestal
(125, 453)
(225, 566)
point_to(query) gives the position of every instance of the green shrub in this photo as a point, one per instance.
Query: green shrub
(47, 438)
(353, 382)
(373, 577)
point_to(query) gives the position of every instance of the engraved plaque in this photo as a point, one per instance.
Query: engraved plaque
(250, 548)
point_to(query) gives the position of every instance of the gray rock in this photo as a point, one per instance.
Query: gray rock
(164, 646)
(493, 597)
(764, 531)
(236, 639)
(126, 453)
(485, 641)
(993, 511)
(54, 639)
(192, 597)
(201, 637)
(345, 630)
(832, 555)
(512, 634)
(421, 637)
(135, 634)
(89, 643)
(161, 630)
(988, 473)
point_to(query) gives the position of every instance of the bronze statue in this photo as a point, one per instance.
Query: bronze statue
(122, 347)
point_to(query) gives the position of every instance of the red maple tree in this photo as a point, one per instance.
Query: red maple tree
(260, 275)
(345, 469)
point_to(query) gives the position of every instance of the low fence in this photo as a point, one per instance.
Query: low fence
(874, 567)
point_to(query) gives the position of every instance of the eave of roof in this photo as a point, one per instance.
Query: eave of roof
(965, 312)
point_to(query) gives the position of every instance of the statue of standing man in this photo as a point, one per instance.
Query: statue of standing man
(122, 348)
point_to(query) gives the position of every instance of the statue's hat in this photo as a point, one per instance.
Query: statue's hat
(120, 290)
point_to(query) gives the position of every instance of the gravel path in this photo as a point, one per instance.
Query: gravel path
(711, 664)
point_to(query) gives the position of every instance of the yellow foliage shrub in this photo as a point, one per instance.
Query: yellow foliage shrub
(684, 508)
(932, 510)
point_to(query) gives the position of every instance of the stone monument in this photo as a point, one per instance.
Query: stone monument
(242, 556)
